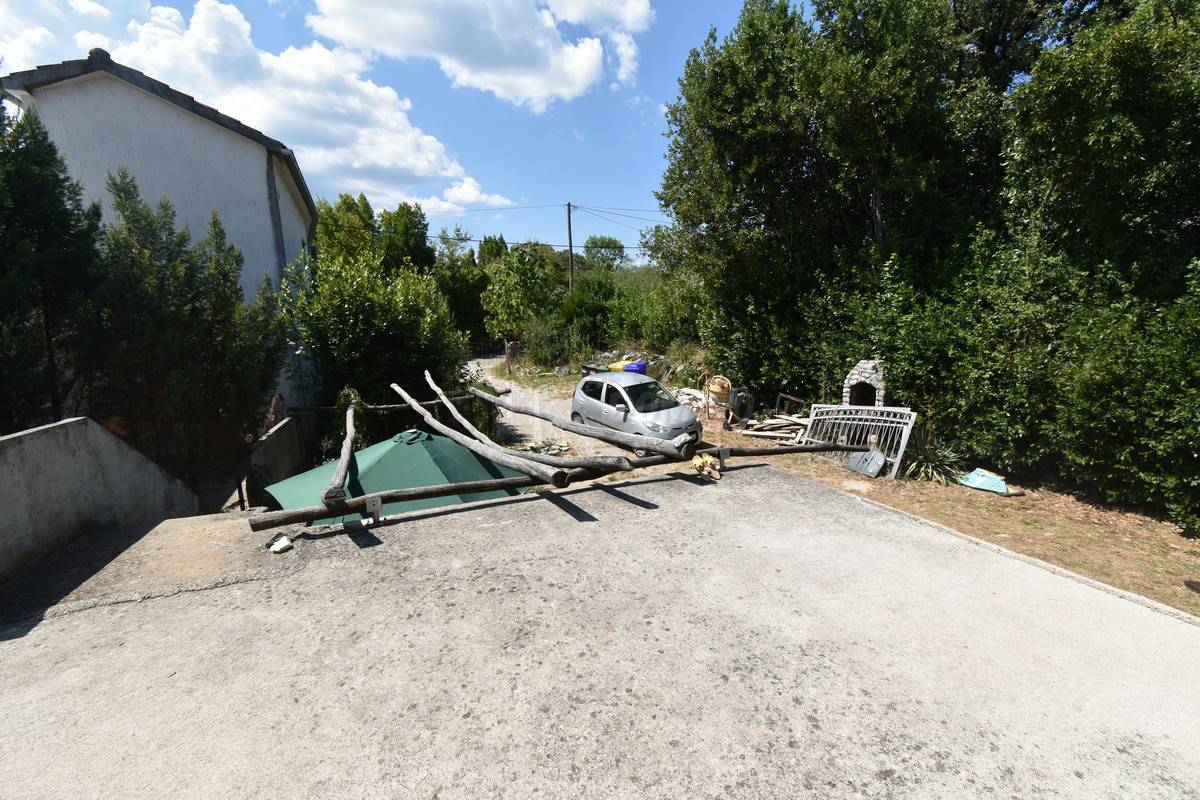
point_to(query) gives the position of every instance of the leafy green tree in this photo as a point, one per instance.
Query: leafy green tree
(586, 307)
(605, 251)
(171, 357)
(347, 227)
(1106, 160)
(404, 238)
(491, 249)
(461, 280)
(520, 289)
(47, 239)
(363, 327)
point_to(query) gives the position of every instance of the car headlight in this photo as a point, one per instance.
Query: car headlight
(654, 426)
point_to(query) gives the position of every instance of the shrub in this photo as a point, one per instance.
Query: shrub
(170, 356)
(357, 326)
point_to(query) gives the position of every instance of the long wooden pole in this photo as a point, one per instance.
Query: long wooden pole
(556, 477)
(388, 408)
(610, 463)
(292, 516)
(679, 447)
(337, 485)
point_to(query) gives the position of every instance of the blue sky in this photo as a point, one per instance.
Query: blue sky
(473, 107)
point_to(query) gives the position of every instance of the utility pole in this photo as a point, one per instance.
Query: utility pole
(570, 252)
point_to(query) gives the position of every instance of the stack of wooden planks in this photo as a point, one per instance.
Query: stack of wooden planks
(783, 427)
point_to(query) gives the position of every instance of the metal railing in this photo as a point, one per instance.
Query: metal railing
(884, 428)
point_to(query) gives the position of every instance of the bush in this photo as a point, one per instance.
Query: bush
(357, 326)
(171, 357)
(550, 341)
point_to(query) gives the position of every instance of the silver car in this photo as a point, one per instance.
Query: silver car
(633, 403)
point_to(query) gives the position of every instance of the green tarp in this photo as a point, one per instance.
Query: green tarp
(407, 460)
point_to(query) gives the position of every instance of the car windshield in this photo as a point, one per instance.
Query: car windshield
(650, 396)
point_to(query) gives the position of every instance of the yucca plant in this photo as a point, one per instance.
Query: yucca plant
(928, 458)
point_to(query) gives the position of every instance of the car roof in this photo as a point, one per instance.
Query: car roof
(620, 378)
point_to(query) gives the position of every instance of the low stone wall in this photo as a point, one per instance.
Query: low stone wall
(64, 479)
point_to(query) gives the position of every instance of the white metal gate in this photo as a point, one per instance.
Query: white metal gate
(885, 428)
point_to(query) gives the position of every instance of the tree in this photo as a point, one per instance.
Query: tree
(520, 288)
(404, 238)
(1106, 160)
(606, 251)
(363, 327)
(491, 249)
(47, 239)
(461, 280)
(171, 358)
(347, 227)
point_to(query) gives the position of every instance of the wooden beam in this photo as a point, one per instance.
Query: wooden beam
(337, 486)
(557, 477)
(678, 448)
(385, 408)
(293, 516)
(607, 463)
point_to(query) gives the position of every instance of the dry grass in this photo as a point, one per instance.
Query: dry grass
(1129, 551)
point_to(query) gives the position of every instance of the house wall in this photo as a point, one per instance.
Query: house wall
(100, 124)
(293, 213)
(64, 479)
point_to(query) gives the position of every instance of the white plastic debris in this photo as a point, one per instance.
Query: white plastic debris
(281, 545)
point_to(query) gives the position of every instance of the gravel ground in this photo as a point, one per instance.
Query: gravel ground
(765, 636)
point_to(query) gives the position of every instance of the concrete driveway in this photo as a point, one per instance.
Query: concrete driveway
(765, 636)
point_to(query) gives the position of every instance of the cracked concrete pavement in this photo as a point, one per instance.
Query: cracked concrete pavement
(765, 636)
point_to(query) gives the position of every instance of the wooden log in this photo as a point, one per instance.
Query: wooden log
(603, 463)
(293, 516)
(387, 407)
(557, 477)
(679, 448)
(768, 434)
(337, 486)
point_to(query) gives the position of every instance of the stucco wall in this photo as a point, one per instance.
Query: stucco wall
(279, 454)
(100, 124)
(292, 212)
(64, 479)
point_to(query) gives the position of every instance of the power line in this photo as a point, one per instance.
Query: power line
(598, 215)
(449, 238)
(627, 216)
(487, 208)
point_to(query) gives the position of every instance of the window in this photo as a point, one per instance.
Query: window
(592, 389)
(651, 396)
(614, 396)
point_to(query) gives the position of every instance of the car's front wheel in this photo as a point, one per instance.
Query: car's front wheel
(576, 418)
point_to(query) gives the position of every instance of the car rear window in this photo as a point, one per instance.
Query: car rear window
(592, 389)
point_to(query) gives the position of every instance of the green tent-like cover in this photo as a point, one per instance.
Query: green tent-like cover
(408, 460)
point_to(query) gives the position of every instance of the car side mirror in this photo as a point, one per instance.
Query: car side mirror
(622, 408)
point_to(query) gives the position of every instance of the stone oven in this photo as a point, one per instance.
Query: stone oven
(864, 386)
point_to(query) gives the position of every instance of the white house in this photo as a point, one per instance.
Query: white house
(103, 116)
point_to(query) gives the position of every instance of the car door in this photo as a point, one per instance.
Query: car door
(613, 396)
(591, 401)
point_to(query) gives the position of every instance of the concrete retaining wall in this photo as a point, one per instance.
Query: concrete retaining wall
(279, 454)
(63, 479)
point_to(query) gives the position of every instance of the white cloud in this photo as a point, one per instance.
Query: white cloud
(86, 40)
(349, 133)
(20, 50)
(627, 56)
(632, 15)
(517, 50)
(468, 192)
(89, 8)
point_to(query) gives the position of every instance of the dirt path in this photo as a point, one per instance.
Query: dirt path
(521, 429)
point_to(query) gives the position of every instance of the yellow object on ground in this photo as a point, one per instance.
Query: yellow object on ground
(705, 464)
(618, 366)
